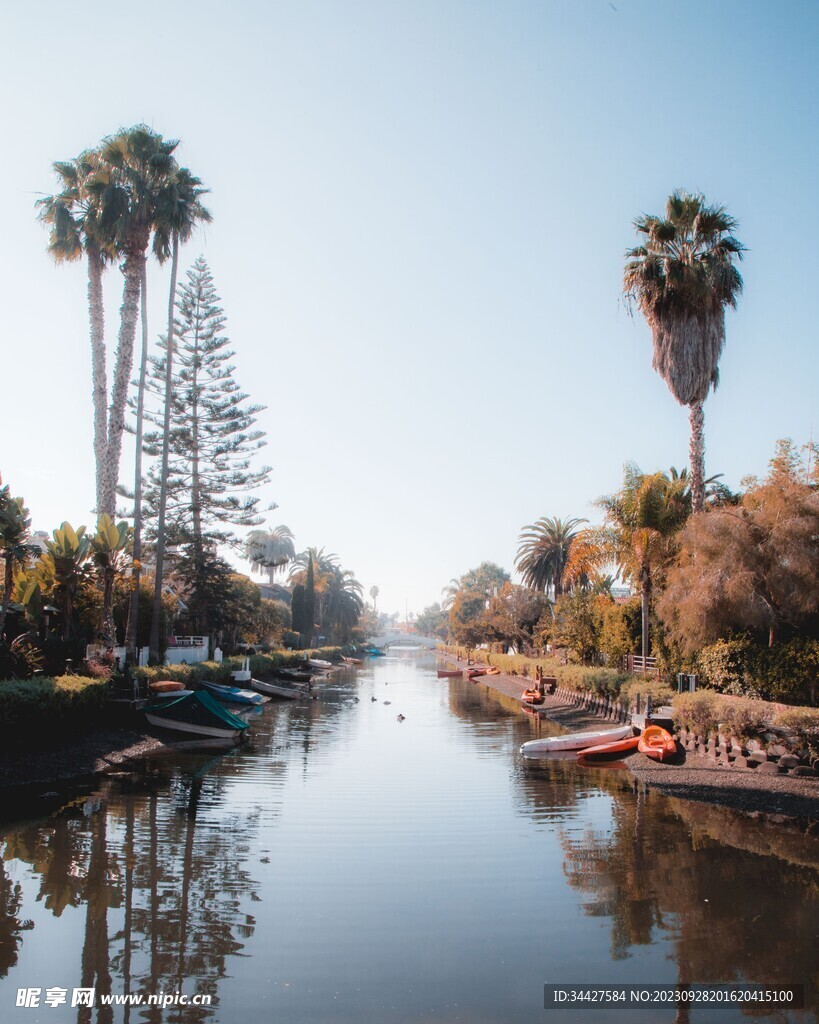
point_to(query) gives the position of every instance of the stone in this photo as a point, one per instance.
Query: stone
(769, 768)
(789, 761)
(777, 750)
(754, 745)
(740, 761)
(804, 771)
(759, 756)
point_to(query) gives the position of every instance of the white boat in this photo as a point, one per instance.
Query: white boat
(325, 666)
(279, 689)
(575, 741)
(232, 694)
(198, 713)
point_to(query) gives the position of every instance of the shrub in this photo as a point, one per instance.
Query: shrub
(697, 712)
(659, 691)
(804, 724)
(48, 705)
(726, 665)
(219, 671)
(790, 671)
(745, 719)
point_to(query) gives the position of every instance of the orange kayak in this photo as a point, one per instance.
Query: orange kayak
(472, 673)
(657, 743)
(166, 686)
(609, 751)
(532, 697)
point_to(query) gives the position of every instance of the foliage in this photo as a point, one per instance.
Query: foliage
(514, 614)
(261, 665)
(790, 671)
(698, 712)
(744, 718)
(725, 664)
(270, 550)
(543, 553)
(752, 568)
(15, 550)
(646, 686)
(298, 610)
(53, 704)
(619, 630)
(433, 621)
(578, 622)
(58, 576)
(804, 724)
(467, 618)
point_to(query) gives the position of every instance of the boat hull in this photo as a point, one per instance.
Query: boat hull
(657, 744)
(198, 714)
(278, 690)
(232, 694)
(609, 751)
(210, 732)
(574, 741)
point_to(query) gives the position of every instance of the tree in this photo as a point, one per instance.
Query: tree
(208, 475)
(681, 279)
(309, 601)
(297, 610)
(322, 563)
(639, 535)
(343, 603)
(515, 612)
(374, 592)
(59, 573)
(109, 548)
(15, 529)
(753, 567)
(270, 550)
(433, 621)
(543, 553)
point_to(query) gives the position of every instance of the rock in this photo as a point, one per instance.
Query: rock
(803, 771)
(769, 768)
(740, 761)
(759, 756)
(777, 750)
(754, 745)
(789, 761)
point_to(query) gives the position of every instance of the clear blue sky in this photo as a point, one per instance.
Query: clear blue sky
(420, 213)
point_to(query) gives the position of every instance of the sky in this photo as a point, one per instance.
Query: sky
(420, 211)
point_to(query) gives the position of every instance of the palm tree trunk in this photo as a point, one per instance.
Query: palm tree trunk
(129, 313)
(8, 575)
(163, 480)
(696, 454)
(645, 602)
(99, 376)
(131, 635)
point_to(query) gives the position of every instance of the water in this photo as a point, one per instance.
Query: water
(344, 866)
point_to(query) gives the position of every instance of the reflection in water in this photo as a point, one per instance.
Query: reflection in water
(345, 867)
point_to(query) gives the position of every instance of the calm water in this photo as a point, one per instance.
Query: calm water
(344, 866)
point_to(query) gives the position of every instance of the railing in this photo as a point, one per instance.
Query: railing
(638, 665)
(187, 641)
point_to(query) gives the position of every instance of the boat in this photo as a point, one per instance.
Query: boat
(533, 696)
(352, 661)
(657, 743)
(609, 751)
(575, 741)
(492, 672)
(473, 673)
(449, 673)
(375, 652)
(198, 713)
(232, 694)
(295, 675)
(324, 666)
(280, 689)
(166, 686)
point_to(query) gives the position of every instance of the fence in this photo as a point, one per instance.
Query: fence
(636, 664)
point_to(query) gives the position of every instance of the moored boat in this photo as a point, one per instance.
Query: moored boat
(532, 696)
(198, 713)
(232, 694)
(474, 673)
(449, 673)
(575, 741)
(166, 686)
(609, 751)
(324, 666)
(295, 675)
(280, 689)
(657, 743)
(352, 661)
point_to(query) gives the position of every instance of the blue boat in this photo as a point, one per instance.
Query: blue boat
(232, 694)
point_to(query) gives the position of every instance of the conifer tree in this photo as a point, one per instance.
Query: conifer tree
(212, 437)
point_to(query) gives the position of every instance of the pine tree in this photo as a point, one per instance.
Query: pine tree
(212, 436)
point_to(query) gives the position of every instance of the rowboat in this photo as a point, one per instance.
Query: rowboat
(323, 666)
(655, 742)
(449, 673)
(279, 689)
(198, 713)
(574, 741)
(232, 694)
(609, 751)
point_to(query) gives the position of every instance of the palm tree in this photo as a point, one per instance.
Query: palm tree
(178, 210)
(449, 593)
(15, 528)
(543, 553)
(681, 279)
(642, 520)
(342, 602)
(270, 550)
(109, 547)
(73, 216)
(323, 565)
(374, 592)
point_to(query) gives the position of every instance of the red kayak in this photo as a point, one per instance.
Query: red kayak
(609, 751)
(473, 673)
(449, 673)
(657, 743)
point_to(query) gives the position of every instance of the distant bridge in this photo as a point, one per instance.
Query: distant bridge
(404, 638)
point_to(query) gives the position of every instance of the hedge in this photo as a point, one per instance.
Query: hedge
(49, 705)
(261, 665)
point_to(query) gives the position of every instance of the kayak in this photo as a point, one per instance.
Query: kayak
(166, 686)
(473, 673)
(609, 751)
(532, 697)
(657, 743)
(575, 741)
(449, 673)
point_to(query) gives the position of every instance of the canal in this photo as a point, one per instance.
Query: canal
(348, 866)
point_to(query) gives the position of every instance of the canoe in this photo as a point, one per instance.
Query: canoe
(575, 741)
(166, 686)
(279, 689)
(609, 751)
(655, 742)
(473, 673)
(232, 694)
(449, 673)
(198, 713)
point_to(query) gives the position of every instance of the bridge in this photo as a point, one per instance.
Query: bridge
(404, 638)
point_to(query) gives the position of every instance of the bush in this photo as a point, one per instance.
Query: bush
(49, 705)
(261, 665)
(790, 671)
(659, 691)
(697, 712)
(745, 719)
(726, 666)
(804, 724)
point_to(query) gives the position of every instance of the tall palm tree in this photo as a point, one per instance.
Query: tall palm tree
(270, 550)
(543, 553)
(177, 212)
(73, 217)
(374, 592)
(342, 601)
(681, 279)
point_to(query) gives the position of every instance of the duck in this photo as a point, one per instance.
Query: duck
(401, 718)
(373, 699)
(388, 702)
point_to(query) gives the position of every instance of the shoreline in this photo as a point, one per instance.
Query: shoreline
(781, 799)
